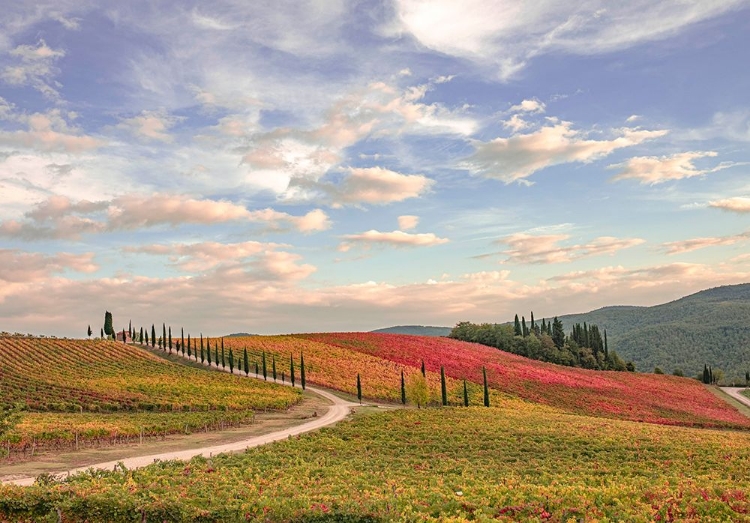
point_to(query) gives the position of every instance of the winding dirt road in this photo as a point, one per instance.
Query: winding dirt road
(735, 393)
(337, 411)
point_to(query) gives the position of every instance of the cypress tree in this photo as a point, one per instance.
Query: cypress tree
(282, 377)
(109, 330)
(216, 353)
(146, 338)
(140, 336)
(359, 390)
(423, 370)
(102, 335)
(263, 360)
(164, 333)
(486, 388)
(443, 388)
(153, 335)
(170, 340)
(533, 325)
(247, 363)
(89, 331)
(403, 388)
(517, 327)
(705, 373)
(203, 355)
(201, 341)
(208, 352)
(710, 375)
(302, 370)
(273, 366)
(291, 369)
(223, 360)
(130, 328)
(189, 354)
(257, 371)
(466, 395)
(182, 340)
(231, 361)
(524, 328)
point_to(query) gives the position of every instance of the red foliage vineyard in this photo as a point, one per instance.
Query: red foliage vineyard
(651, 398)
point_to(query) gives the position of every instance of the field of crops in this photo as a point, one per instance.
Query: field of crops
(620, 395)
(87, 390)
(337, 367)
(500, 464)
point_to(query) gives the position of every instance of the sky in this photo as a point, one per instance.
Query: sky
(300, 166)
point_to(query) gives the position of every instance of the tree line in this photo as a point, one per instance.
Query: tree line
(585, 346)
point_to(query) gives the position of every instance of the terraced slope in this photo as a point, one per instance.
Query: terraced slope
(103, 389)
(632, 396)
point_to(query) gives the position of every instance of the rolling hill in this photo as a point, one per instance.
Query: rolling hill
(709, 327)
(415, 330)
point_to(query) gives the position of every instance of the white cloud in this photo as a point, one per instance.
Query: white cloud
(739, 204)
(259, 261)
(59, 217)
(151, 125)
(653, 170)
(544, 249)
(529, 106)
(407, 222)
(22, 267)
(36, 68)
(505, 35)
(48, 132)
(693, 244)
(393, 239)
(518, 157)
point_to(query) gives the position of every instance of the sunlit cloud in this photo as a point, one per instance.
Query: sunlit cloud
(518, 157)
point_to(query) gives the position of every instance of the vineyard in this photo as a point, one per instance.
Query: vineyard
(524, 463)
(334, 360)
(75, 391)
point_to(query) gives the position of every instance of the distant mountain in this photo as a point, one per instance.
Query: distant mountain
(416, 330)
(710, 327)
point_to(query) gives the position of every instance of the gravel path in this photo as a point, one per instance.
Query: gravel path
(338, 411)
(735, 393)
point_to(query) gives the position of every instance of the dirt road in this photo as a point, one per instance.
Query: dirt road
(735, 393)
(338, 411)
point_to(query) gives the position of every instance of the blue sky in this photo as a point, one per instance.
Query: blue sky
(323, 165)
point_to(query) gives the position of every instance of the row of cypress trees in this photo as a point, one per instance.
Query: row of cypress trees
(192, 348)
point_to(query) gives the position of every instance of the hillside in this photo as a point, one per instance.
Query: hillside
(415, 330)
(443, 464)
(710, 327)
(334, 359)
(97, 389)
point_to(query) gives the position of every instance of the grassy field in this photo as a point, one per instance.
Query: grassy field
(438, 464)
(77, 392)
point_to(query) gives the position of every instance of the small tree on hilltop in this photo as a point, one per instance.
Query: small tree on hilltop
(153, 335)
(89, 331)
(108, 329)
(102, 334)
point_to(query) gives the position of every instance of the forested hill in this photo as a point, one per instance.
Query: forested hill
(415, 330)
(710, 327)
